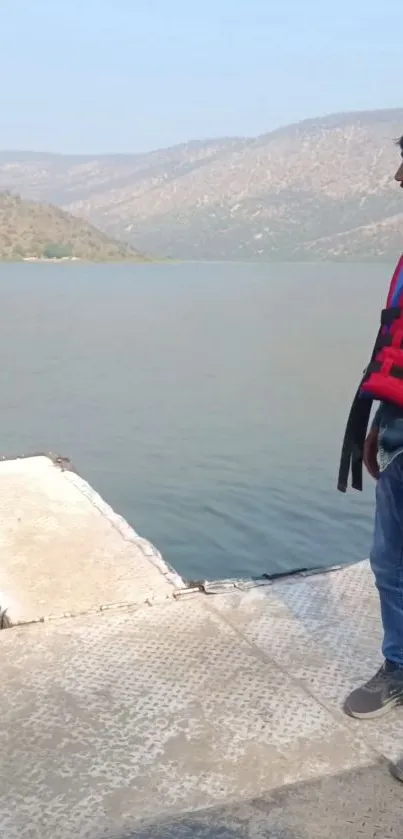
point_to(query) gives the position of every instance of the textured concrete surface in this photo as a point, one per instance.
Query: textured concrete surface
(325, 631)
(64, 551)
(213, 716)
(147, 713)
(361, 804)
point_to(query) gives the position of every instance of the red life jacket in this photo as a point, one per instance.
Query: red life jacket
(383, 380)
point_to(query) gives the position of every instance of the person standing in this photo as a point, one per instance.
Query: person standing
(383, 459)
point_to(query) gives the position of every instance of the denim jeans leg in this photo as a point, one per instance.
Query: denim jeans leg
(387, 557)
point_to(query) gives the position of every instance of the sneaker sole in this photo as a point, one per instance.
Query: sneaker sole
(372, 715)
(396, 770)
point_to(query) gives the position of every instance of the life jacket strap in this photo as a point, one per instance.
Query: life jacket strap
(388, 316)
(389, 340)
(353, 443)
(352, 451)
(376, 366)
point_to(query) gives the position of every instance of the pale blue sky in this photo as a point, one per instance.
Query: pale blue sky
(133, 75)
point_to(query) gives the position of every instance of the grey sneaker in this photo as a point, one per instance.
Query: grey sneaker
(378, 696)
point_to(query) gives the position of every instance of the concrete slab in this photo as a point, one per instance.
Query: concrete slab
(132, 715)
(64, 551)
(361, 804)
(325, 630)
(179, 714)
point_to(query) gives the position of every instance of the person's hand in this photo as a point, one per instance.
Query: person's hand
(370, 456)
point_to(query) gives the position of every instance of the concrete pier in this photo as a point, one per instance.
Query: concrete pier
(135, 708)
(64, 551)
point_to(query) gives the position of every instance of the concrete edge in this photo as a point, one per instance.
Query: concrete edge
(180, 586)
(127, 532)
(244, 585)
(63, 463)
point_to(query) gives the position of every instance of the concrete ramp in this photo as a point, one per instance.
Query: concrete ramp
(63, 551)
(180, 714)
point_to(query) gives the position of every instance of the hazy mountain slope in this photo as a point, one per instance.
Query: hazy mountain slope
(29, 229)
(319, 189)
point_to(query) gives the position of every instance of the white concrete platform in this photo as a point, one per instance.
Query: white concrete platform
(180, 715)
(64, 551)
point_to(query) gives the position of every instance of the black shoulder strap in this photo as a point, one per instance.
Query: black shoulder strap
(353, 443)
(354, 436)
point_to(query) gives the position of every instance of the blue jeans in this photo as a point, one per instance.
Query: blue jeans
(387, 557)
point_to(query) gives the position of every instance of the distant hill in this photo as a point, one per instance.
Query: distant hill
(29, 230)
(320, 189)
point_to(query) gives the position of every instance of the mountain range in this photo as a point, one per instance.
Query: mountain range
(320, 189)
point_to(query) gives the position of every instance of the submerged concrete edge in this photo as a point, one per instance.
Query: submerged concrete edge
(125, 529)
(181, 588)
(119, 522)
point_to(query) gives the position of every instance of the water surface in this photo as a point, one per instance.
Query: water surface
(205, 402)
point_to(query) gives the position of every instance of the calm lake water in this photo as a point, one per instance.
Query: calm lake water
(206, 402)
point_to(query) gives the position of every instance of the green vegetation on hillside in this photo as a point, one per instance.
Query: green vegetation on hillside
(29, 230)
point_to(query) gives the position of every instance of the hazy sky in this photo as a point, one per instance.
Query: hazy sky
(131, 75)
